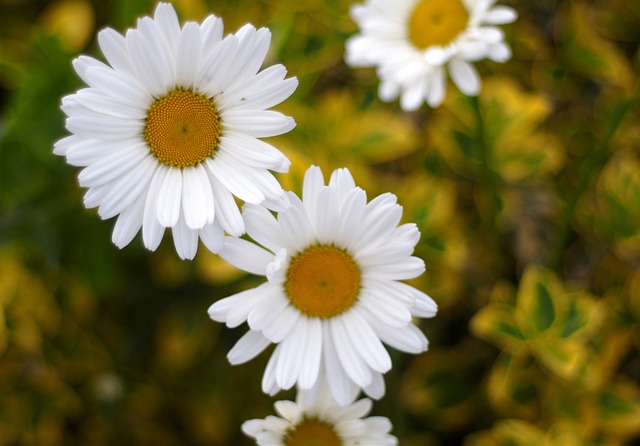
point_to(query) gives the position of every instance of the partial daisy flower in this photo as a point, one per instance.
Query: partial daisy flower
(412, 42)
(321, 421)
(333, 264)
(168, 132)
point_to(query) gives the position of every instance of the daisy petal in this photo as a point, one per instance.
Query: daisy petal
(248, 347)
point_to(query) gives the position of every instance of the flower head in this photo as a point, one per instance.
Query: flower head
(333, 263)
(321, 421)
(412, 42)
(168, 132)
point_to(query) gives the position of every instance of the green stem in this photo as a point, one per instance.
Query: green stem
(487, 175)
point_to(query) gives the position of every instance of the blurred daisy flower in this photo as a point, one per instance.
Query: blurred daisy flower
(333, 264)
(321, 421)
(168, 132)
(412, 42)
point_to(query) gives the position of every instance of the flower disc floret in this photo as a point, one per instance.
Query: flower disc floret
(312, 432)
(322, 281)
(437, 22)
(182, 128)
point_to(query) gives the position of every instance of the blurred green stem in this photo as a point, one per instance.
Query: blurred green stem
(488, 182)
(487, 176)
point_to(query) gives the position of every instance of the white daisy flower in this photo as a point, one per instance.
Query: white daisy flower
(333, 264)
(168, 132)
(322, 422)
(412, 42)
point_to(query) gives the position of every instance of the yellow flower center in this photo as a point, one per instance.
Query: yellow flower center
(312, 432)
(323, 281)
(182, 128)
(437, 22)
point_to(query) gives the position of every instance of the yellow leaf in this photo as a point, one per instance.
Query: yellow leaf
(588, 53)
(73, 21)
(495, 324)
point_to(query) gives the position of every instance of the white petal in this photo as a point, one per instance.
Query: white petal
(312, 354)
(282, 324)
(185, 240)
(113, 165)
(253, 152)
(295, 223)
(269, 308)
(288, 410)
(351, 361)
(170, 197)
(98, 102)
(257, 123)
(235, 309)
(262, 226)
(326, 216)
(226, 209)
(216, 65)
(312, 185)
(246, 256)
(103, 127)
(409, 268)
(500, 15)
(408, 339)
(82, 64)
(114, 48)
(269, 384)
(148, 63)
(212, 235)
(292, 354)
(248, 347)
(212, 30)
(437, 88)
(152, 230)
(167, 19)
(424, 306)
(367, 343)
(62, 146)
(337, 379)
(499, 52)
(343, 181)
(113, 83)
(465, 76)
(189, 55)
(197, 198)
(385, 308)
(351, 215)
(223, 171)
(129, 222)
(126, 189)
(413, 97)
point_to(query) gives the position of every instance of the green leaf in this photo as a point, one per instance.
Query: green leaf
(545, 312)
(495, 324)
(575, 320)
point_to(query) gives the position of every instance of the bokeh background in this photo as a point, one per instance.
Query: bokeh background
(527, 198)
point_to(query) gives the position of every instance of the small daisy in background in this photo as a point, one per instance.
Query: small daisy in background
(413, 42)
(168, 132)
(320, 421)
(334, 264)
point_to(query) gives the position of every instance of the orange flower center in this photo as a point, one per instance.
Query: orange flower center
(312, 432)
(323, 281)
(437, 22)
(182, 128)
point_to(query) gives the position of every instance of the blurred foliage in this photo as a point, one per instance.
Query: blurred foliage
(527, 197)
